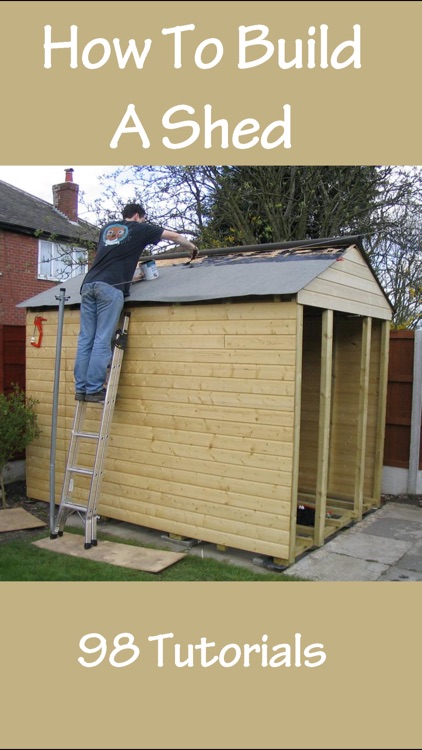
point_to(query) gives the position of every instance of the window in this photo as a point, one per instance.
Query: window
(57, 261)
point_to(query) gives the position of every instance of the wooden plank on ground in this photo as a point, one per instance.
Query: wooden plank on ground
(113, 553)
(15, 519)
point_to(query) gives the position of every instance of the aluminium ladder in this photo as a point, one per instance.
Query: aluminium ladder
(67, 506)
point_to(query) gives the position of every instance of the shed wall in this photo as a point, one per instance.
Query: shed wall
(348, 285)
(202, 438)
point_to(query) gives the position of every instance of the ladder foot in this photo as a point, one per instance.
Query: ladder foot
(94, 542)
(60, 533)
(53, 536)
(87, 545)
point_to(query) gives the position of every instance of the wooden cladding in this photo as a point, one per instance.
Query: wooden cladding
(203, 430)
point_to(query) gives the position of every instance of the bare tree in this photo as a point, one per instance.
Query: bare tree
(396, 257)
(220, 206)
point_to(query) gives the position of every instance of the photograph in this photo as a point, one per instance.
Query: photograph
(250, 415)
(210, 375)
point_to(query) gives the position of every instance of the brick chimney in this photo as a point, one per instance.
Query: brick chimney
(65, 196)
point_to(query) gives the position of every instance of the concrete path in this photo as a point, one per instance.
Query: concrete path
(385, 546)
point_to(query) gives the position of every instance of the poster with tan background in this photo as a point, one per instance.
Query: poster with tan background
(210, 83)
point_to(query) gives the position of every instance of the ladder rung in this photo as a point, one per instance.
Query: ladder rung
(79, 470)
(87, 434)
(74, 506)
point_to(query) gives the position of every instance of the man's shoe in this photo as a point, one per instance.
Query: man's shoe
(80, 396)
(96, 398)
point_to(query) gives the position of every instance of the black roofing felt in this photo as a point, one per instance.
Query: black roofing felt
(24, 213)
(278, 268)
(272, 269)
(205, 281)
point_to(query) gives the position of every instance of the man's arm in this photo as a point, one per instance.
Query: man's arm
(180, 239)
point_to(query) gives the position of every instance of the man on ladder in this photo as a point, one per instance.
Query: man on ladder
(103, 292)
(104, 289)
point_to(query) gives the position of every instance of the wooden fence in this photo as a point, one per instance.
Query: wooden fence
(400, 395)
(12, 357)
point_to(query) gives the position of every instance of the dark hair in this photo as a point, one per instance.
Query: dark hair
(131, 209)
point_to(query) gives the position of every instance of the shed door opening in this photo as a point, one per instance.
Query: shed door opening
(338, 425)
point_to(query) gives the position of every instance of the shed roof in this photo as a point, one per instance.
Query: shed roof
(25, 213)
(264, 270)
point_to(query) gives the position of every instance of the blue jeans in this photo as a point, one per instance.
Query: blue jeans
(101, 305)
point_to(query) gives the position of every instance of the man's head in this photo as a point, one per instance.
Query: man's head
(132, 209)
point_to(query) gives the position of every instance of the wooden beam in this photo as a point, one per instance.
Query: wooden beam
(296, 431)
(324, 425)
(362, 416)
(381, 410)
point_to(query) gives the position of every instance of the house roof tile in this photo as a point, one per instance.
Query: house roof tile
(24, 213)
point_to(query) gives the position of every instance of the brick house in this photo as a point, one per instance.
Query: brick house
(40, 244)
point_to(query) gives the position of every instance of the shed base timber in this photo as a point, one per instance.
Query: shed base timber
(340, 513)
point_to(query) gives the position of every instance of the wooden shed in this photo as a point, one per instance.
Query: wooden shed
(252, 397)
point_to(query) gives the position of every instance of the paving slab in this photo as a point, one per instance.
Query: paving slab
(403, 512)
(367, 547)
(392, 528)
(336, 567)
(394, 573)
(412, 560)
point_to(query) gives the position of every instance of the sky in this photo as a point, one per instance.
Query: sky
(39, 181)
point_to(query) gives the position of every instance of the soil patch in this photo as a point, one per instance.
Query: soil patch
(404, 499)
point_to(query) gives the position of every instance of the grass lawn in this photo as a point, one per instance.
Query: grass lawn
(20, 560)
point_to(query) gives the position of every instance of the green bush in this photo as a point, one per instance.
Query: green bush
(18, 427)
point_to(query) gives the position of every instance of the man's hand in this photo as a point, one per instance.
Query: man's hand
(180, 239)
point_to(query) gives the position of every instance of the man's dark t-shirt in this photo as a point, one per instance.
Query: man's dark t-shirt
(120, 245)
